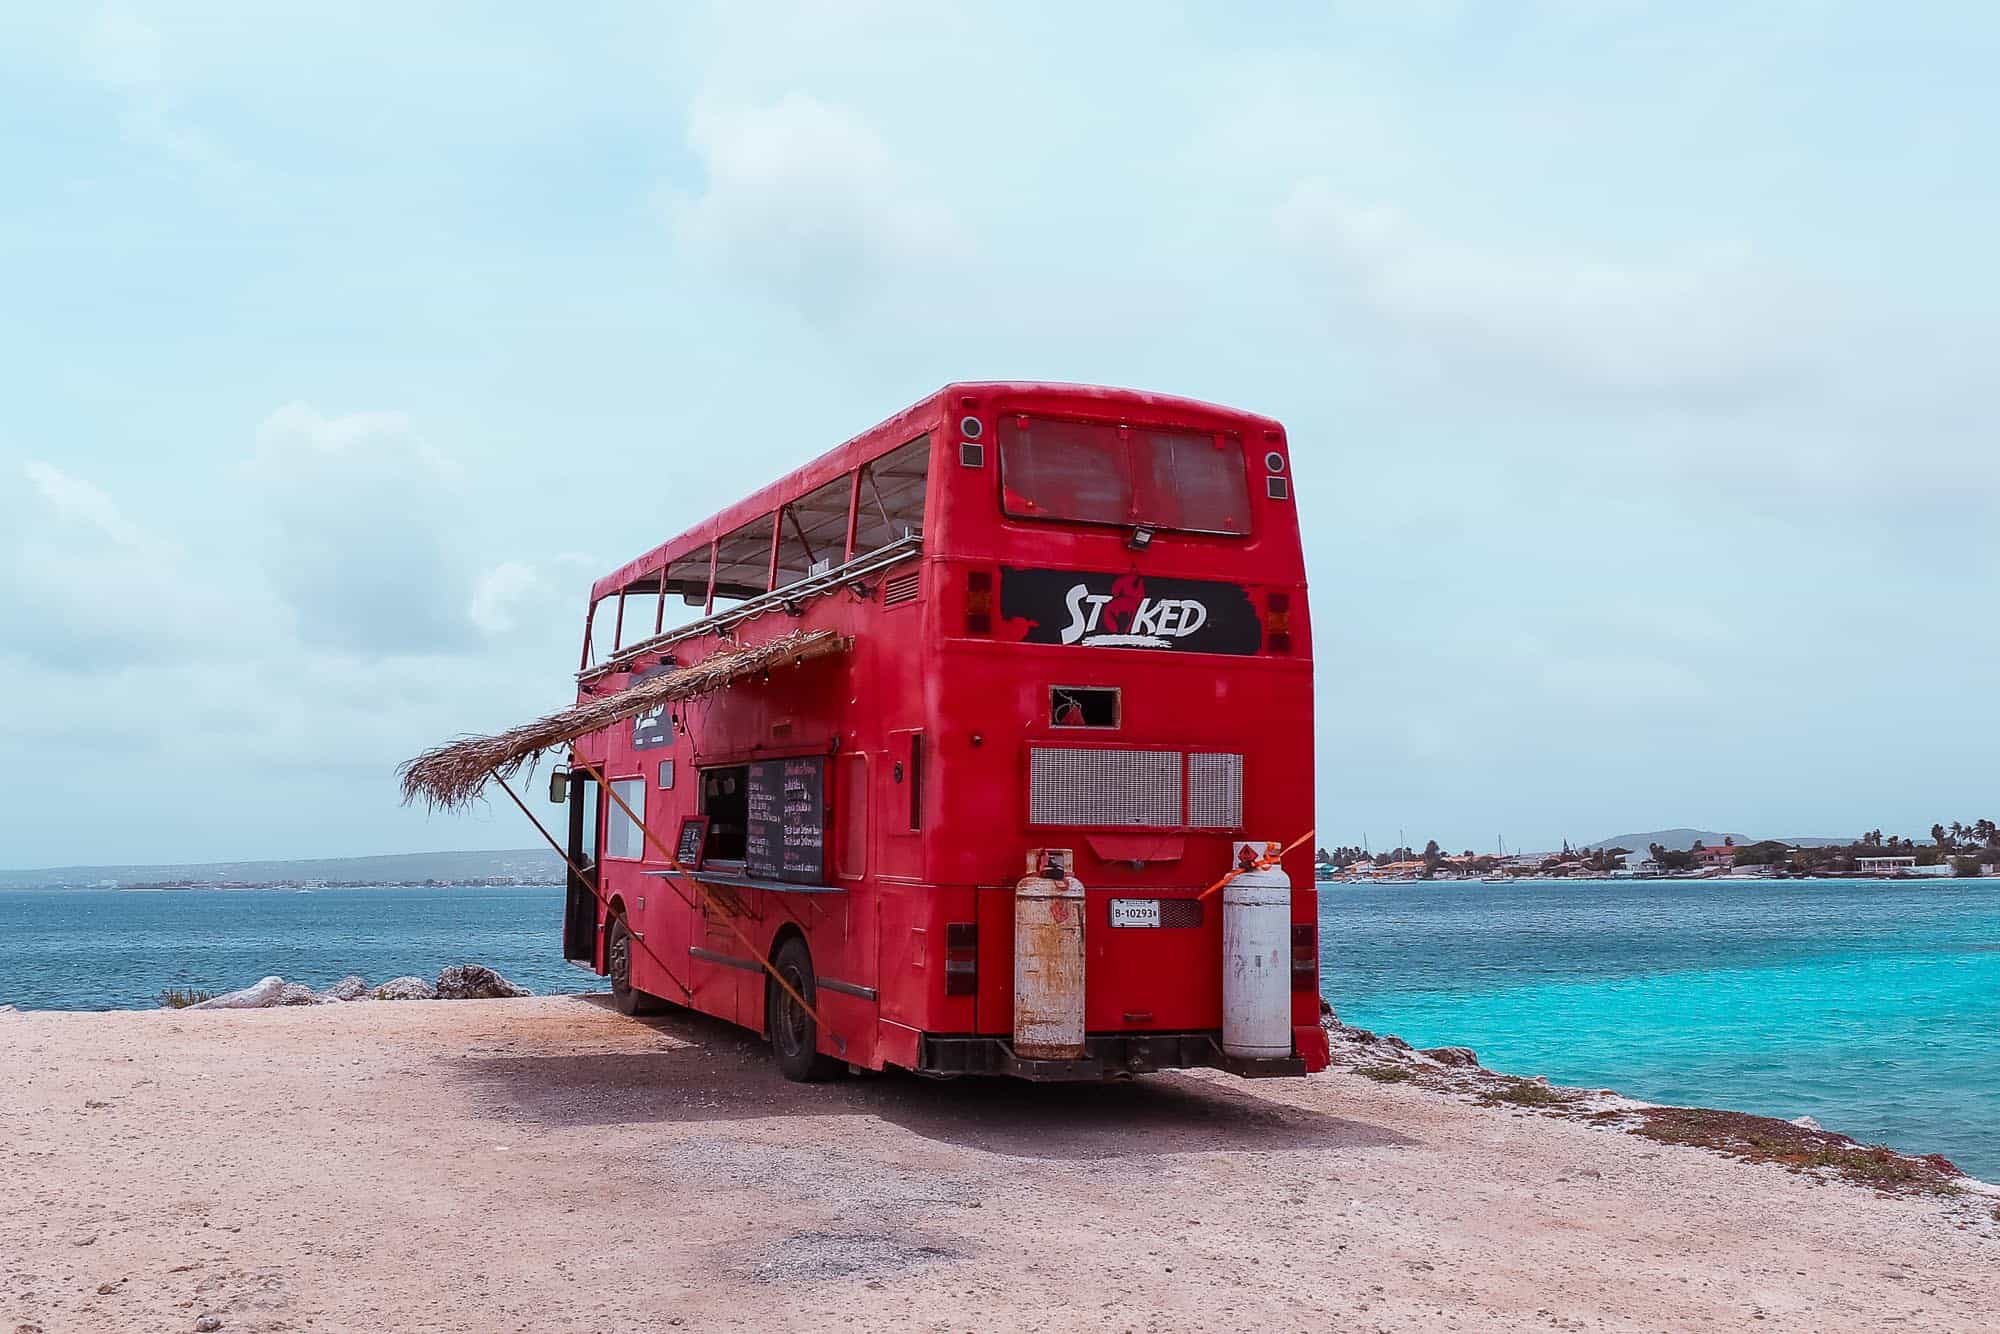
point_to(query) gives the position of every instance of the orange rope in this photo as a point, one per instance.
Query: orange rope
(1262, 862)
(674, 865)
(584, 880)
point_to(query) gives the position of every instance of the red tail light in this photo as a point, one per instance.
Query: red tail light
(961, 959)
(1305, 956)
(1278, 622)
(979, 602)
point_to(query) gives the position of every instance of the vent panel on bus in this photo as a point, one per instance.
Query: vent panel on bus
(903, 588)
(1215, 791)
(1129, 788)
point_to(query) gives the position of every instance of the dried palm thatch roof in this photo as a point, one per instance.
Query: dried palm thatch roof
(451, 775)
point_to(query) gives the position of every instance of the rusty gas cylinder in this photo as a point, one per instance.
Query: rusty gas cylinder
(1048, 966)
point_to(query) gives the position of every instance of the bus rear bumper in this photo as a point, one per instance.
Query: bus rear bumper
(1105, 1056)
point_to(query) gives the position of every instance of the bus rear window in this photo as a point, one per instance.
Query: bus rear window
(1088, 472)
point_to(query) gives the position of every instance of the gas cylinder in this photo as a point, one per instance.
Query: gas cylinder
(1048, 965)
(1257, 964)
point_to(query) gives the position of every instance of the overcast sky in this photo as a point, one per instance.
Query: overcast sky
(1638, 363)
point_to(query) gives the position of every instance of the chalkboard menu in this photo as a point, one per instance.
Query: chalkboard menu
(785, 832)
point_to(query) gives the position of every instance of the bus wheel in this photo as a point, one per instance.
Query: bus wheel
(625, 997)
(794, 1035)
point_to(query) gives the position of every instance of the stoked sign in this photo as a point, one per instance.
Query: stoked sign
(1129, 611)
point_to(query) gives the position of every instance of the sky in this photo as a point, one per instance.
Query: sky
(1636, 362)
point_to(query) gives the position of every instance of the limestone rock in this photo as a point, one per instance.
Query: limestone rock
(404, 988)
(296, 993)
(1464, 1056)
(475, 981)
(349, 988)
(254, 997)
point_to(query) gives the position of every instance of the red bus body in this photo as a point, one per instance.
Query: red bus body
(989, 643)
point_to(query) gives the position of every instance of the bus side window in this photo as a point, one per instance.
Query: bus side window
(812, 531)
(890, 501)
(850, 852)
(906, 782)
(743, 563)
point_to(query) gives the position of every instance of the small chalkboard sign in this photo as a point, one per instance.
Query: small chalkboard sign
(692, 842)
(785, 829)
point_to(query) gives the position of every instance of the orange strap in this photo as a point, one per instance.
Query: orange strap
(1272, 855)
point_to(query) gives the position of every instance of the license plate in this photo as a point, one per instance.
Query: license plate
(1135, 912)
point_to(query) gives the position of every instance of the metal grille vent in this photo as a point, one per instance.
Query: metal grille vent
(1180, 912)
(1104, 787)
(901, 589)
(1215, 791)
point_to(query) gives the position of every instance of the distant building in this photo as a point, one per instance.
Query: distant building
(1718, 856)
(1884, 865)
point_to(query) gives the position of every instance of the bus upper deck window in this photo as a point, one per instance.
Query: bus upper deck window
(1142, 477)
(1064, 470)
(1193, 481)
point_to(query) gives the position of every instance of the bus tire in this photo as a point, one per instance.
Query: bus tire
(794, 1033)
(625, 998)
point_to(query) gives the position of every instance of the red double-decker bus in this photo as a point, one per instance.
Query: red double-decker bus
(1067, 690)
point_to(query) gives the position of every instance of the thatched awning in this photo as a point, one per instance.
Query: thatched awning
(452, 775)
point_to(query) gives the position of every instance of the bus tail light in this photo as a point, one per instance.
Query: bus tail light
(961, 959)
(979, 602)
(1278, 622)
(1305, 955)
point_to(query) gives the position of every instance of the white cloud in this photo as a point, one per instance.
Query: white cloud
(83, 583)
(123, 50)
(75, 499)
(1712, 326)
(356, 513)
(804, 199)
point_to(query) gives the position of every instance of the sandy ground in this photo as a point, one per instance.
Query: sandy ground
(548, 1165)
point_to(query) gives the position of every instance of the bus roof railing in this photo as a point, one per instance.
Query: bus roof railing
(910, 544)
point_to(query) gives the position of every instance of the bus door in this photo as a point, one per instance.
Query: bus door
(580, 913)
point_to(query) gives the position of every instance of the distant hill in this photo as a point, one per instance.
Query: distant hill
(1680, 840)
(521, 866)
(1674, 840)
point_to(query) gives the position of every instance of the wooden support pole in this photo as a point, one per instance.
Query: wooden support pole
(673, 864)
(584, 880)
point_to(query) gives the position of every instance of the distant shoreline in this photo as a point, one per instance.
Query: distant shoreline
(298, 886)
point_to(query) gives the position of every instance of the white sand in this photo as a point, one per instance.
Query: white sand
(548, 1165)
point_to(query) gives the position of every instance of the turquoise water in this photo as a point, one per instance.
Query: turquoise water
(113, 949)
(1873, 1007)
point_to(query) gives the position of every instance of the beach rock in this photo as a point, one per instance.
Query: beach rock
(474, 981)
(254, 997)
(296, 993)
(1328, 1020)
(206, 1323)
(1807, 1123)
(349, 988)
(404, 988)
(1463, 1056)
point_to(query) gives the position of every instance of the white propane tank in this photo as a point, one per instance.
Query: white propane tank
(1048, 965)
(1257, 964)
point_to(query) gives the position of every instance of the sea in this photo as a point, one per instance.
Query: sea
(1872, 1007)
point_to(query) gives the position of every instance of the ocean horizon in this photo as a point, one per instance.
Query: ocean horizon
(1871, 1006)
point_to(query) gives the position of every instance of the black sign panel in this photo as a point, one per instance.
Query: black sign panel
(656, 727)
(785, 833)
(1130, 611)
(694, 833)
